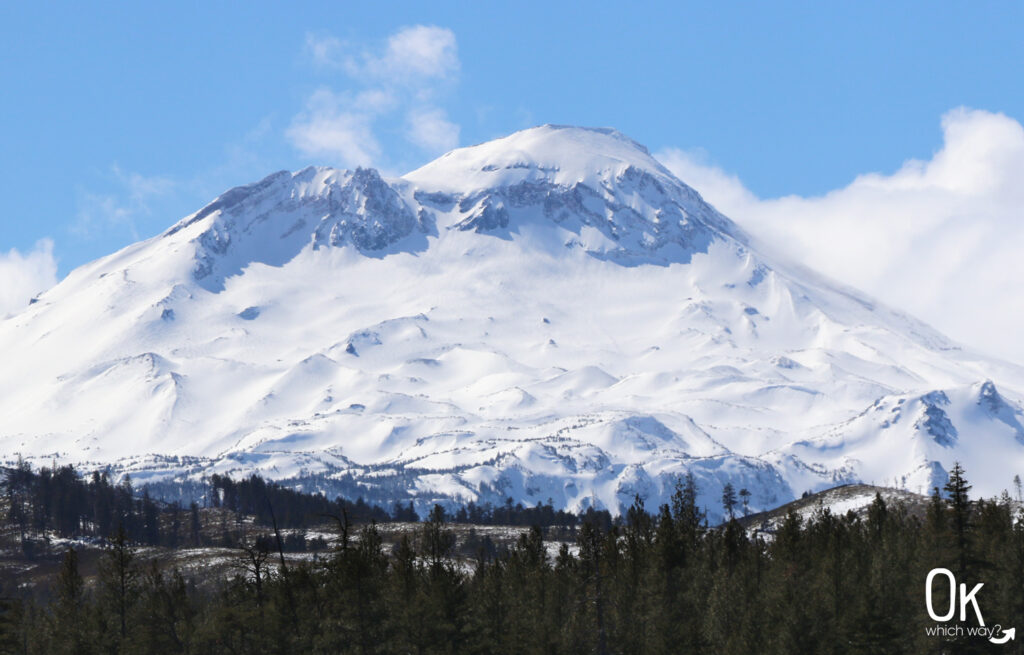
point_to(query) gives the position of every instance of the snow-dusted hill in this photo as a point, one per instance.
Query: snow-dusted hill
(547, 315)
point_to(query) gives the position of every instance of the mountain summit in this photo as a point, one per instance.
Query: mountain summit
(559, 154)
(606, 190)
(550, 315)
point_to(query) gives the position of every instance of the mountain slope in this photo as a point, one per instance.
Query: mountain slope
(548, 315)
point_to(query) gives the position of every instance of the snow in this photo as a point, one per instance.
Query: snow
(548, 315)
(551, 153)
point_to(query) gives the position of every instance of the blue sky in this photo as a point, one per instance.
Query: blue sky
(117, 120)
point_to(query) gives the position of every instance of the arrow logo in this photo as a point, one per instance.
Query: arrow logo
(1007, 636)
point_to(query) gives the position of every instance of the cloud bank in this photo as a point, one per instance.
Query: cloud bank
(23, 275)
(399, 82)
(941, 239)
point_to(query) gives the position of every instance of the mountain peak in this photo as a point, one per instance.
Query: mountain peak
(591, 189)
(560, 154)
(547, 315)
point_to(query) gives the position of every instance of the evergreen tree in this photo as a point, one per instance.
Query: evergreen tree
(150, 520)
(118, 575)
(745, 498)
(729, 500)
(166, 618)
(688, 517)
(444, 592)
(957, 489)
(195, 526)
(641, 583)
(593, 569)
(410, 616)
(11, 617)
(68, 628)
(19, 500)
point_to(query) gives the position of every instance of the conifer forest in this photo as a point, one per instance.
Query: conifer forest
(651, 581)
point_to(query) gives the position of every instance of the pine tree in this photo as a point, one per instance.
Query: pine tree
(19, 487)
(632, 579)
(117, 578)
(367, 575)
(195, 526)
(11, 617)
(745, 497)
(936, 514)
(593, 568)
(729, 500)
(103, 503)
(688, 517)
(150, 520)
(960, 511)
(68, 629)
(443, 589)
(878, 517)
(407, 621)
(166, 615)
(438, 542)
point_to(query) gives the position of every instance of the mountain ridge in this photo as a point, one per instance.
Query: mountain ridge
(551, 314)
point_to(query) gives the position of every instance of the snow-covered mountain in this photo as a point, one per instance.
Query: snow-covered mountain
(548, 315)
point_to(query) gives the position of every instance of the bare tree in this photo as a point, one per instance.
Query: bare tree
(252, 562)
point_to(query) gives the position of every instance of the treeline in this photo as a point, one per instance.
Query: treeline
(658, 584)
(60, 501)
(271, 504)
(542, 515)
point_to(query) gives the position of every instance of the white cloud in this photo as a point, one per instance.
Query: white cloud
(24, 275)
(430, 129)
(403, 77)
(940, 238)
(329, 128)
(420, 51)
